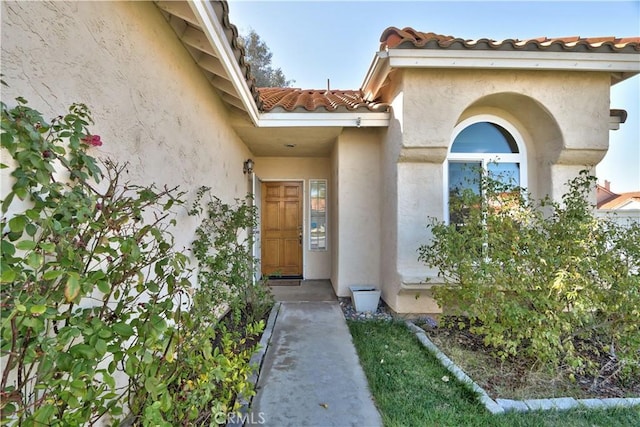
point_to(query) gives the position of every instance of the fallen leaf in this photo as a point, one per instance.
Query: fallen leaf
(445, 379)
(324, 405)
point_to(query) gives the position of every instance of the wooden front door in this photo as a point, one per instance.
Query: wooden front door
(281, 250)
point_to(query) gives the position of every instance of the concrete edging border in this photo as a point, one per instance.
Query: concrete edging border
(256, 360)
(500, 406)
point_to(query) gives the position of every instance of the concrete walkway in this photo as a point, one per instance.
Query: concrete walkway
(311, 374)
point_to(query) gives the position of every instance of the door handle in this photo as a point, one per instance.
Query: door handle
(300, 238)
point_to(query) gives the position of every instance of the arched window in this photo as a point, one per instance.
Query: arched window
(484, 144)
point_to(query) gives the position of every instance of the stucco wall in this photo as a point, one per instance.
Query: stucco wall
(334, 214)
(561, 116)
(392, 142)
(317, 263)
(152, 106)
(357, 261)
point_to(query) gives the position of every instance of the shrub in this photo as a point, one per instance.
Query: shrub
(535, 275)
(90, 283)
(99, 317)
(223, 248)
(214, 351)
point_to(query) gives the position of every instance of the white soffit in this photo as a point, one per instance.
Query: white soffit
(315, 119)
(451, 58)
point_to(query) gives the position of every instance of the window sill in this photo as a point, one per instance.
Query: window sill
(421, 286)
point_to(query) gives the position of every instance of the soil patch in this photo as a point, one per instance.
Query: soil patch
(522, 379)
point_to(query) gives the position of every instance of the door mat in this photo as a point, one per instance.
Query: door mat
(284, 282)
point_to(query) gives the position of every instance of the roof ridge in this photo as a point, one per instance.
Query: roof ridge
(393, 37)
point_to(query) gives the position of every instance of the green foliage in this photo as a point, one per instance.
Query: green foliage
(213, 354)
(536, 276)
(258, 55)
(410, 390)
(99, 317)
(211, 369)
(89, 279)
(223, 248)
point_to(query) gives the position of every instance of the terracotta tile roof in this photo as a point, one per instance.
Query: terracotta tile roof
(237, 46)
(293, 99)
(619, 199)
(393, 37)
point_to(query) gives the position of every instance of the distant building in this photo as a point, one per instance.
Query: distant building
(608, 200)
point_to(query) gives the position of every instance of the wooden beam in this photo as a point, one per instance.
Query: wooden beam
(178, 25)
(223, 85)
(212, 65)
(181, 9)
(196, 38)
(232, 100)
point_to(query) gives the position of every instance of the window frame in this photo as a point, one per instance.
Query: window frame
(312, 216)
(484, 158)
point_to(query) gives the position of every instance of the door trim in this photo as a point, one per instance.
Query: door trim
(256, 193)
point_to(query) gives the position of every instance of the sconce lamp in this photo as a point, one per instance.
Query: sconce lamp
(248, 166)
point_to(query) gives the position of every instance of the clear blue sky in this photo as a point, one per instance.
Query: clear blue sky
(313, 40)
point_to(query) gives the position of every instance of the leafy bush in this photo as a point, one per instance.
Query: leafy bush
(89, 279)
(214, 351)
(533, 276)
(99, 317)
(223, 248)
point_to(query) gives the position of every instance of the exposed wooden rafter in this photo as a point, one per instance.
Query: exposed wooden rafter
(182, 18)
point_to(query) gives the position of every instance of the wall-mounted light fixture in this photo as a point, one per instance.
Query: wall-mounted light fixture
(248, 166)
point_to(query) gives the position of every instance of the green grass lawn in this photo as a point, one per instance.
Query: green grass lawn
(407, 384)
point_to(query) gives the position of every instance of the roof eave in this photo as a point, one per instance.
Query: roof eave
(431, 58)
(355, 119)
(376, 76)
(621, 65)
(213, 29)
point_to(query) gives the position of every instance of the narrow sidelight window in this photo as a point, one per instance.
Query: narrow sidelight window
(318, 214)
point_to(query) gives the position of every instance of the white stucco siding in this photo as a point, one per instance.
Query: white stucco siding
(435, 100)
(151, 104)
(334, 214)
(414, 211)
(562, 118)
(316, 263)
(359, 199)
(389, 152)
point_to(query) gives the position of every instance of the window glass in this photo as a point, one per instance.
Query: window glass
(464, 175)
(484, 137)
(318, 213)
(507, 173)
(481, 148)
